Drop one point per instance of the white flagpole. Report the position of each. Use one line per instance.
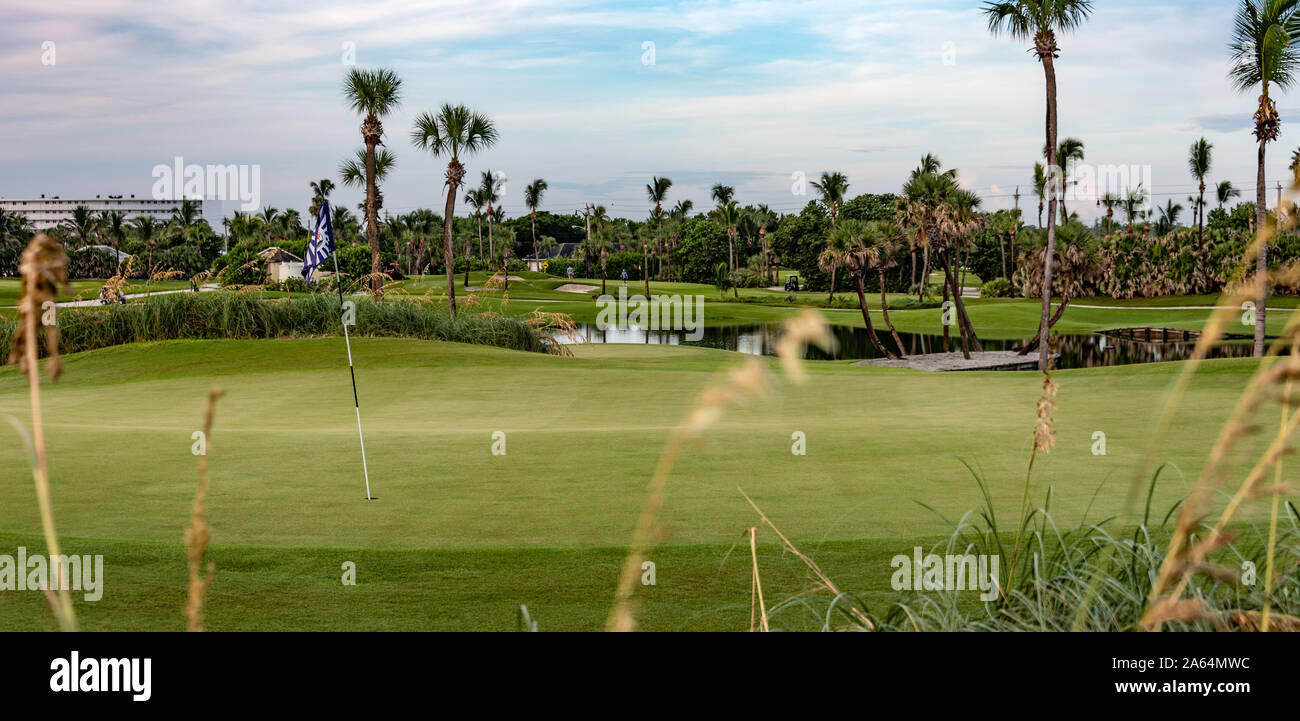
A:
(338, 280)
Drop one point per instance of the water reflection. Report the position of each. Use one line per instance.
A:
(1077, 351)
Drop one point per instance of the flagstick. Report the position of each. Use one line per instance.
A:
(338, 282)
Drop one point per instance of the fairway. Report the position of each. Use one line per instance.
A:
(544, 522)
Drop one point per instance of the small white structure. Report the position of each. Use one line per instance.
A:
(281, 264)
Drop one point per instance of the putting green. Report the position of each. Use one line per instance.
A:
(582, 436)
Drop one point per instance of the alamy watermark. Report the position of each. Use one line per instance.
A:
(948, 572)
(659, 312)
(60, 573)
(209, 182)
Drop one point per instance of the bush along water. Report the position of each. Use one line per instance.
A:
(245, 316)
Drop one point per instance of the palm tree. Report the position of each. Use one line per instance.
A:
(320, 192)
(943, 218)
(533, 199)
(244, 227)
(495, 219)
(476, 199)
(1225, 192)
(600, 220)
(185, 220)
(1040, 20)
(1264, 54)
(1131, 202)
(832, 187)
(723, 194)
(452, 131)
(268, 216)
(1199, 159)
(1040, 188)
(144, 230)
(1110, 201)
(729, 216)
(1168, 217)
(114, 224)
(489, 192)
(1069, 151)
(846, 248)
(884, 242)
(352, 173)
(372, 94)
(657, 192)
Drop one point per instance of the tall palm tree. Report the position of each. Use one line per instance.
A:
(144, 230)
(490, 194)
(1131, 204)
(884, 242)
(657, 192)
(1225, 193)
(114, 224)
(1264, 54)
(600, 221)
(1110, 201)
(722, 194)
(532, 199)
(352, 173)
(1040, 21)
(320, 192)
(372, 94)
(943, 217)
(1168, 217)
(832, 187)
(1069, 151)
(729, 216)
(1199, 159)
(185, 221)
(452, 131)
(1040, 188)
(495, 219)
(476, 199)
(845, 248)
(268, 216)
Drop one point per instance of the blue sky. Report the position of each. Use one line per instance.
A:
(745, 93)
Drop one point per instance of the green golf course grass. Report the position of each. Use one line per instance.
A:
(459, 538)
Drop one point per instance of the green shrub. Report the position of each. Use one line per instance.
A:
(240, 316)
(998, 288)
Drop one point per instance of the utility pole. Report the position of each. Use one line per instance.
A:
(1015, 225)
(1277, 214)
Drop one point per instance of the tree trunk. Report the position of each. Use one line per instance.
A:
(866, 318)
(1049, 71)
(884, 312)
(372, 221)
(447, 249)
(831, 298)
(468, 247)
(1033, 342)
(1002, 248)
(963, 319)
(942, 319)
(925, 272)
(1261, 260)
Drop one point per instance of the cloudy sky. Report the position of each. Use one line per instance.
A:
(747, 93)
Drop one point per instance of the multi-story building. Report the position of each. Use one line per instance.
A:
(45, 213)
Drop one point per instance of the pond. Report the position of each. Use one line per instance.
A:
(1077, 351)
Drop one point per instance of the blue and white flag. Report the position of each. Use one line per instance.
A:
(321, 244)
